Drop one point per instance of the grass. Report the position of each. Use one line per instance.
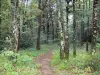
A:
(24, 64)
(83, 64)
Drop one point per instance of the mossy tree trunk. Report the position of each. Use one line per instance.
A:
(64, 48)
(16, 28)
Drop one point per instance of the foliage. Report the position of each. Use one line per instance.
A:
(98, 45)
(27, 16)
(26, 13)
(93, 62)
(5, 22)
(24, 64)
(26, 40)
(83, 63)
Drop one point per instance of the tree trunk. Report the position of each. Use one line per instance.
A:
(39, 28)
(74, 30)
(16, 29)
(64, 49)
(87, 33)
(88, 24)
(60, 27)
(95, 2)
(38, 34)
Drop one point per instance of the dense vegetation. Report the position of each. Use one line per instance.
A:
(29, 29)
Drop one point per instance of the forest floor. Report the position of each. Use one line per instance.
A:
(81, 65)
(44, 61)
(47, 62)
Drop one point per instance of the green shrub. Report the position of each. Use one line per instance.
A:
(92, 61)
(84, 63)
(26, 40)
(22, 65)
(98, 45)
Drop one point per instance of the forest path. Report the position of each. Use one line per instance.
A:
(44, 60)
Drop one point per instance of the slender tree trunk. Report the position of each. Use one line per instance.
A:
(59, 17)
(88, 24)
(52, 30)
(38, 33)
(87, 33)
(95, 2)
(16, 29)
(82, 27)
(74, 30)
(66, 29)
(39, 28)
(51, 19)
(47, 31)
(64, 49)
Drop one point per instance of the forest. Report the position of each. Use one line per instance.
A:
(49, 37)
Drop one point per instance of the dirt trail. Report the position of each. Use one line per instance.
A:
(44, 61)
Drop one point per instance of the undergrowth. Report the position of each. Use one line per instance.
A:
(21, 63)
(83, 64)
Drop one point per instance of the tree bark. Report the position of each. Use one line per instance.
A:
(93, 46)
(87, 33)
(64, 48)
(38, 34)
(74, 30)
(16, 29)
(39, 28)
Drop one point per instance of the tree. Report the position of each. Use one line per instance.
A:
(88, 24)
(15, 23)
(64, 49)
(39, 27)
(94, 32)
(74, 30)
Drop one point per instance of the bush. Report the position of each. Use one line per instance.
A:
(83, 63)
(22, 65)
(26, 40)
(92, 61)
(98, 45)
